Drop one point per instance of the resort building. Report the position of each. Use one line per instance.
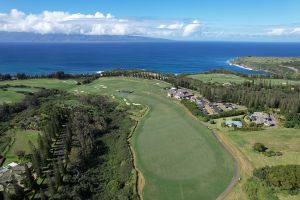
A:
(261, 118)
(180, 94)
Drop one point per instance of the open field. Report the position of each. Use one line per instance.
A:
(21, 139)
(178, 157)
(231, 78)
(278, 139)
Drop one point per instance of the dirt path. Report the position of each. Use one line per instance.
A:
(243, 168)
(235, 177)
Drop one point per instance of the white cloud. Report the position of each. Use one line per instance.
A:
(93, 24)
(107, 24)
(277, 31)
(191, 28)
(296, 30)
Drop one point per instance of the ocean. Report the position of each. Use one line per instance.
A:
(174, 57)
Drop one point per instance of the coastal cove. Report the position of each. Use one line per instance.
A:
(171, 57)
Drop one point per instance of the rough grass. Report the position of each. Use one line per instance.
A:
(278, 139)
(21, 139)
(178, 157)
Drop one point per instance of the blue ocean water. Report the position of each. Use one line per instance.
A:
(175, 57)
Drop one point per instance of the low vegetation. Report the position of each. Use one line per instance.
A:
(281, 177)
(280, 66)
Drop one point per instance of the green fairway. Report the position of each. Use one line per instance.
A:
(47, 83)
(219, 78)
(10, 97)
(21, 139)
(178, 157)
(22, 89)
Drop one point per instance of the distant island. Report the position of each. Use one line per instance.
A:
(281, 66)
(69, 38)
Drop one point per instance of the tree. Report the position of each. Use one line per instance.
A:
(259, 147)
(51, 187)
(42, 195)
(19, 191)
(36, 160)
(29, 179)
(57, 175)
(20, 154)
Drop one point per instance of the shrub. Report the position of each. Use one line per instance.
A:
(259, 147)
(212, 122)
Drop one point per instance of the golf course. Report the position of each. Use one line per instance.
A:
(178, 157)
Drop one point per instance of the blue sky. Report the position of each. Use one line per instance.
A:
(259, 20)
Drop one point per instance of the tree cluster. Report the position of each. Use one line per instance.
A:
(280, 177)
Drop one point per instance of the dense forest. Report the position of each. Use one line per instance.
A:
(82, 148)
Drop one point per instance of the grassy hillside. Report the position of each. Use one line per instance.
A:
(278, 65)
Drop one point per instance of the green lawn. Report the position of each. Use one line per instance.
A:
(10, 97)
(22, 89)
(47, 83)
(11, 94)
(219, 78)
(20, 143)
